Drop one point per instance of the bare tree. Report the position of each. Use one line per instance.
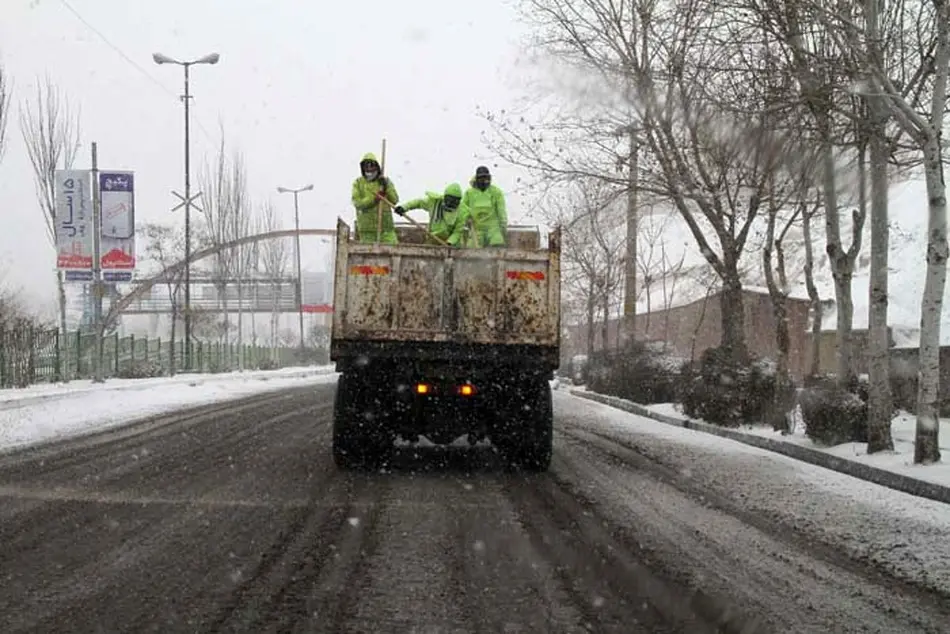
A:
(592, 252)
(925, 129)
(6, 95)
(21, 332)
(651, 228)
(165, 247)
(225, 211)
(241, 224)
(274, 260)
(815, 305)
(710, 165)
(51, 131)
(879, 393)
(901, 53)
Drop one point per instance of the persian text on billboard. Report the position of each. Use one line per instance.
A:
(72, 198)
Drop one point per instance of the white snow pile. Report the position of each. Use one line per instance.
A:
(906, 535)
(44, 413)
(900, 461)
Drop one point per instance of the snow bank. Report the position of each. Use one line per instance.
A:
(62, 411)
(906, 535)
(900, 461)
(54, 390)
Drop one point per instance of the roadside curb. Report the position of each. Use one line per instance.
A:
(905, 484)
(183, 380)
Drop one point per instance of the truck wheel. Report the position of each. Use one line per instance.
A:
(357, 438)
(527, 443)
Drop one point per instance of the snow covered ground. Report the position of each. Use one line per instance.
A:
(900, 461)
(906, 535)
(52, 412)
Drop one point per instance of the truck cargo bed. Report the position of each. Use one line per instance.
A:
(438, 301)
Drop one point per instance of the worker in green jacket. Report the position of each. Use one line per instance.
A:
(485, 206)
(368, 191)
(445, 210)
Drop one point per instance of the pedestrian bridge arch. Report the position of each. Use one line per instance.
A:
(146, 285)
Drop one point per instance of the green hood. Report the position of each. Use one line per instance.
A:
(369, 156)
(453, 189)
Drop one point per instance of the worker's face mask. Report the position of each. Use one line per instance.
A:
(370, 171)
(482, 182)
(451, 202)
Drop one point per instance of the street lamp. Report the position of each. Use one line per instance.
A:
(295, 192)
(211, 58)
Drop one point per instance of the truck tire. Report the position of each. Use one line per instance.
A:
(357, 438)
(527, 441)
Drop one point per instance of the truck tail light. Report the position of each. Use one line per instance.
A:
(423, 388)
(466, 390)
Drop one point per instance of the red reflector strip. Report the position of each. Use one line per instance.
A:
(365, 269)
(535, 276)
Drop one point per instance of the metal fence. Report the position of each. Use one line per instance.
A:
(31, 355)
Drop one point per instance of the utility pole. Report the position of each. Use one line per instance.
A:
(630, 261)
(295, 192)
(97, 288)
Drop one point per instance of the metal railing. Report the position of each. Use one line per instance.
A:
(30, 355)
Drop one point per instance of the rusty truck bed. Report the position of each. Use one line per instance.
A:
(427, 295)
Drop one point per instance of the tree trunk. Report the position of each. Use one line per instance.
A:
(732, 317)
(255, 300)
(878, 354)
(590, 322)
(240, 322)
(815, 299)
(226, 316)
(841, 266)
(646, 325)
(926, 445)
(605, 325)
(274, 317)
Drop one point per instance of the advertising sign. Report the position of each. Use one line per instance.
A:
(117, 245)
(72, 200)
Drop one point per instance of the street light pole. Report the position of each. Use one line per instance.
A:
(207, 59)
(295, 192)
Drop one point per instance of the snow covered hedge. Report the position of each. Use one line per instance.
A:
(724, 392)
(642, 372)
(833, 415)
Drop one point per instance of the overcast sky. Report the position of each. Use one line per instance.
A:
(303, 88)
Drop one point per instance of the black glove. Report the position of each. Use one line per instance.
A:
(399, 210)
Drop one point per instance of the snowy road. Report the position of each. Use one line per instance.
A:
(232, 517)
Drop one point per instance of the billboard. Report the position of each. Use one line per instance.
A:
(72, 202)
(117, 234)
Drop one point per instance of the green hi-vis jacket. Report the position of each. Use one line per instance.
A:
(364, 200)
(488, 214)
(443, 223)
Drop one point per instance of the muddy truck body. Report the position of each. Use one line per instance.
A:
(451, 344)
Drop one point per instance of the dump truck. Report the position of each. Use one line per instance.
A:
(445, 343)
